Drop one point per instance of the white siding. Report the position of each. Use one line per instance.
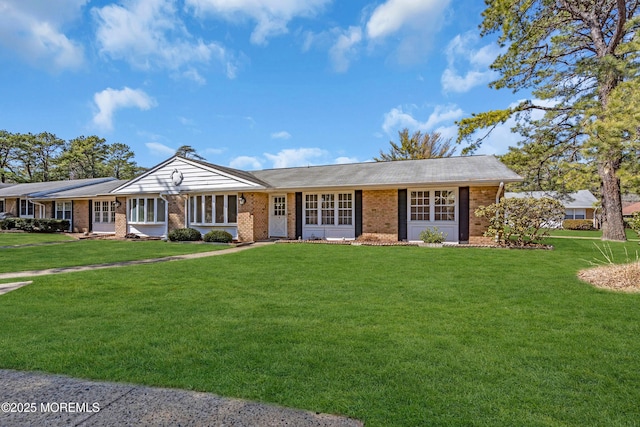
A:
(195, 178)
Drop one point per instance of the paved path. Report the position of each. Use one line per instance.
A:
(56, 400)
(61, 270)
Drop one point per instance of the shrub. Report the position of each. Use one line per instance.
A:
(577, 224)
(521, 221)
(432, 235)
(218, 236)
(634, 222)
(185, 235)
(38, 225)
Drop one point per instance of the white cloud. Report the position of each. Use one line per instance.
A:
(345, 160)
(461, 53)
(149, 34)
(110, 100)
(214, 151)
(246, 163)
(161, 150)
(271, 16)
(412, 22)
(281, 135)
(397, 119)
(33, 30)
(345, 48)
(295, 157)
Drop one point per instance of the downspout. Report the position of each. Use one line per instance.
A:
(186, 211)
(166, 215)
(40, 212)
(500, 188)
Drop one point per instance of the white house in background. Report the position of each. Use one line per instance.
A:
(579, 205)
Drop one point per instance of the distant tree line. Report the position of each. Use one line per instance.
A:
(27, 157)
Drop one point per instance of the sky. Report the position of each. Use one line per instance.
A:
(250, 84)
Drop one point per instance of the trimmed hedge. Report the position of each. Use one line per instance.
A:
(185, 235)
(218, 236)
(577, 224)
(35, 225)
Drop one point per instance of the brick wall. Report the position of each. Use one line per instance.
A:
(176, 211)
(80, 216)
(121, 218)
(291, 216)
(480, 196)
(380, 213)
(11, 205)
(253, 218)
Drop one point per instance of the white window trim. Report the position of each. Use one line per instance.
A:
(62, 202)
(111, 211)
(146, 205)
(336, 209)
(201, 197)
(432, 206)
(27, 204)
(3, 205)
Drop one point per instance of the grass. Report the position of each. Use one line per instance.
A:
(13, 239)
(593, 234)
(87, 252)
(398, 336)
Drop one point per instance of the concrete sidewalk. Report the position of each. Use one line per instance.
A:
(36, 399)
(61, 270)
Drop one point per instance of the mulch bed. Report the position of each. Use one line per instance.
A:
(615, 277)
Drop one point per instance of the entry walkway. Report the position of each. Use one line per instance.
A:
(61, 270)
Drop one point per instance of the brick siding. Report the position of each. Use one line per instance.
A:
(380, 213)
(80, 216)
(253, 218)
(480, 196)
(121, 218)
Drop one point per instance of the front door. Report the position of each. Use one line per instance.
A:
(278, 216)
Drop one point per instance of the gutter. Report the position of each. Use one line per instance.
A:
(500, 188)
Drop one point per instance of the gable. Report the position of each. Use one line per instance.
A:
(179, 175)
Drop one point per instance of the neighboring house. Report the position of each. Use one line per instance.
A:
(631, 209)
(75, 200)
(385, 200)
(578, 205)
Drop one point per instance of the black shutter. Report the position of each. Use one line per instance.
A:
(402, 214)
(358, 213)
(463, 215)
(298, 215)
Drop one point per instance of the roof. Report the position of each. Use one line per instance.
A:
(581, 199)
(631, 209)
(450, 170)
(42, 189)
(5, 185)
(101, 189)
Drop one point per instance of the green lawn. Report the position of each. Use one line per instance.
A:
(594, 234)
(12, 239)
(86, 252)
(399, 336)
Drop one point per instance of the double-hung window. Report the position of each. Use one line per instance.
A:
(26, 208)
(63, 210)
(1, 205)
(432, 205)
(328, 209)
(146, 210)
(214, 209)
(104, 211)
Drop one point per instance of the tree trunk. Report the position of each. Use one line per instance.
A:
(612, 222)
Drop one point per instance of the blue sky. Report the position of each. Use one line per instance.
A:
(250, 84)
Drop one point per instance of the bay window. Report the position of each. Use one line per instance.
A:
(147, 210)
(213, 209)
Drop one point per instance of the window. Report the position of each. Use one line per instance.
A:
(420, 206)
(63, 210)
(104, 211)
(1, 205)
(311, 209)
(444, 205)
(279, 206)
(146, 210)
(432, 205)
(322, 209)
(345, 209)
(575, 213)
(26, 208)
(214, 209)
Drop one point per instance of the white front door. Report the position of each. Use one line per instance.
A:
(278, 216)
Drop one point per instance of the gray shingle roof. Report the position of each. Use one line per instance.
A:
(42, 189)
(467, 170)
(580, 199)
(100, 189)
